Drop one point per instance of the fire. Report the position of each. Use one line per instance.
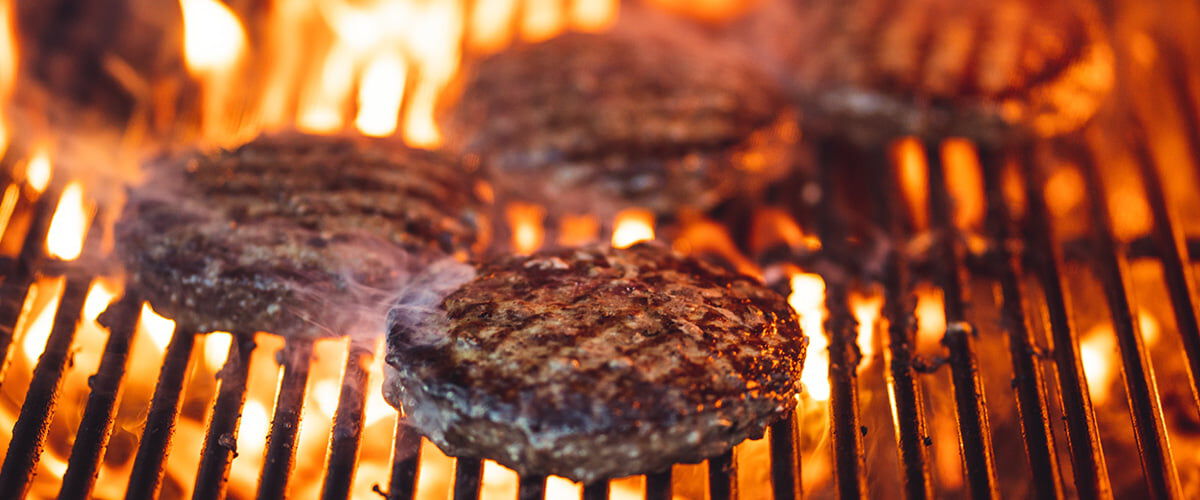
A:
(153, 326)
(561, 487)
(216, 349)
(8, 203)
(1098, 353)
(380, 95)
(808, 300)
(543, 19)
(68, 227)
(38, 330)
(632, 226)
(964, 178)
(593, 15)
(708, 10)
(37, 169)
(931, 317)
(526, 222)
(866, 309)
(914, 179)
(1063, 190)
(8, 66)
(213, 38)
(99, 296)
(578, 230)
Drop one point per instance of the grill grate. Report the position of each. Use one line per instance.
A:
(1039, 259)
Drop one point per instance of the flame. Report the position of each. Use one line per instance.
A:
(253, 428)
(632, 226)
(931, 317)
(561, 487)
(703, 236)
(38, 331)
(543, 19)
(8, 66)
(964, 178)
(1063, 190)
(8, 203)
(576, 230)
(213, 38)
(68, 226)
(498, 481)
(808, 300)
(708, 10)
(491, 24)
(914, 179)
(37, 169)
(99, 296)
(155, 327)
(526, 223)
(380, 95)
(593, 15)
(216, 349)
(867, 309)
(1096, 352)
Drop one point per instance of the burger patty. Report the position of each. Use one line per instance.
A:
(588, 123)
(292, 234)
(984, 69)
(594, 363)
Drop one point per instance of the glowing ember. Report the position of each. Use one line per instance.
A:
(99, 296)
(914, 179)
(866, 311)
(155, 327)
(68, 227)
(216, 349)
(380, 94)
(37, 170)
(526, 223)
(808, 300)
(213, 38)
(632, 226)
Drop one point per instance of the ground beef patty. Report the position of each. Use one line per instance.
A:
(595, 363)
(985, 69)
(587, 123)
(292, 234)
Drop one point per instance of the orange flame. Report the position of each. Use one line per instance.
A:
(213, 38)
(38, 330)
(8, 66)
(216, 349)
(37, 169)
(964, 178)
(808, 300)
(68, 226)
(526, 223)
(380, 95)
(576, 230)
(914, 179)
(632, 226)
(867, 309)
(154, 327)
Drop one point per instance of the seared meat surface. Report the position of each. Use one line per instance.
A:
(985, 69)
(587, 123)
(594, 363)
(292, 234)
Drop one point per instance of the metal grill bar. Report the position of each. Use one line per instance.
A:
(285, 425)
(29, 432)
(1029, 380)
(971, 409)
(531, 488)
(908, 417)
(348, 423)
(147, 472)
(1171, 251)
(722, 477)
(785, 460)
(406, 456)
(96, 425)
(841, 328)
(658, 485)
(596, 491)
(1111, 266)
(468, 478)
(220, 442)
(21, 274)
(1091, 473)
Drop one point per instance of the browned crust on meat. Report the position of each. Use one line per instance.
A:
(985, 69)
(292, 234)
(587, 123)
(594, 363)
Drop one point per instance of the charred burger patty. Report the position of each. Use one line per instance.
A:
(292, 234)
(587, 123)
(596, 363)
